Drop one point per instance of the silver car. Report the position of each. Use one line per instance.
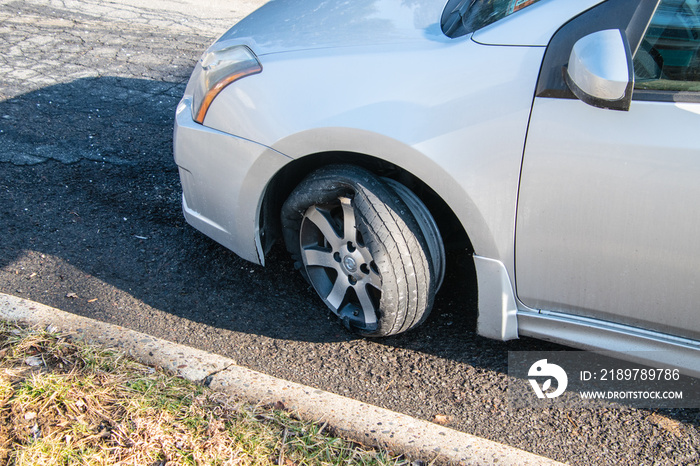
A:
(556, 140)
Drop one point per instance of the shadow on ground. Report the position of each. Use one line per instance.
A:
(89, 180)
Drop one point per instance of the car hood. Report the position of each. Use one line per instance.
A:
(286, 25)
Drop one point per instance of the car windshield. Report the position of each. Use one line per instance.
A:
(464, 16)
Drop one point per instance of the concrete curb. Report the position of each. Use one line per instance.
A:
(352, 419)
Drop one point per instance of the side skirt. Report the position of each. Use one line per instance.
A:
(630, 343)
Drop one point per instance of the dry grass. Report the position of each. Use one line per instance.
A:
(66, 403)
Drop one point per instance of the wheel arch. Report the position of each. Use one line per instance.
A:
(463, 227)
(288, 177)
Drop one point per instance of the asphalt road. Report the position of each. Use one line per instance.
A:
(90, 222)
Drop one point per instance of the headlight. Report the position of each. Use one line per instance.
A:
(220, 67)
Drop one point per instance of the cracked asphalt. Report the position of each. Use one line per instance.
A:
(90, 222)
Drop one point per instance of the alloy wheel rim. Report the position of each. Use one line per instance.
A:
(339, 264)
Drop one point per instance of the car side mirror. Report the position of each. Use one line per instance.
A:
(600, 70)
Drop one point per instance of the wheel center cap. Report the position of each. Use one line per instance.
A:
(349, 264)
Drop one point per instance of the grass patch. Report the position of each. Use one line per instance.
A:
(66, 403)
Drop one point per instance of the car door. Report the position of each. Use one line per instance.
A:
(608, 219)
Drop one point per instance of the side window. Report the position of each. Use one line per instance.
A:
(668, 59)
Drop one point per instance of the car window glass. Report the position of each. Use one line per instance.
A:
(464, 16)
(668, 58)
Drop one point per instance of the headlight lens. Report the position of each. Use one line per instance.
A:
(221, 66)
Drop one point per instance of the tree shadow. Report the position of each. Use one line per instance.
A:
(89, 178)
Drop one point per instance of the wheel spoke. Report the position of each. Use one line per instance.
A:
(323, 222)
(374, 280)
(367, 305)
(320, 258)
(349, 227)
(337, 294)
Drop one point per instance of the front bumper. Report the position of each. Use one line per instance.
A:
(223, 178)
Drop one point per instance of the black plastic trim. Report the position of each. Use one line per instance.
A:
(648, 95)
